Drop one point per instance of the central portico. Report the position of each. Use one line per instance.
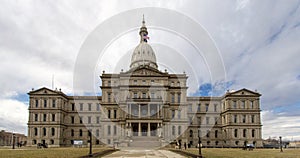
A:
(144, 99)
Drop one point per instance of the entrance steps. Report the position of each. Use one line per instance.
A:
(145, 142)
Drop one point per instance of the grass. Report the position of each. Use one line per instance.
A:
(48, 153)
(239, 153)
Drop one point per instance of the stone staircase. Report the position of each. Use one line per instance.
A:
(145, 142)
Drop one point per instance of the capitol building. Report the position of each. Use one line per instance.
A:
(144, 107)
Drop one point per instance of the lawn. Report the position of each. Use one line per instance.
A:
(239, 153)
(47, 153)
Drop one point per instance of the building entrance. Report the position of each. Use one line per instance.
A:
(135, 129)
(144, 129)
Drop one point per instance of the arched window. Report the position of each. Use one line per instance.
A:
(53, 131)
(235, 132)
(80, 132)
(244, 132)
(33, 141)
(179, 130)
(51, 141)
(35, 131)
(44, 131)
(191, 133)
(253, 133)
(173, 130)
(72, 132)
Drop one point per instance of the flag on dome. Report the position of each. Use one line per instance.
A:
(145, 37)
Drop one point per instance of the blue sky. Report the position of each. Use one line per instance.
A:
(257, 40)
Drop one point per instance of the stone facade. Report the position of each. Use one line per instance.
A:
(6, 138)
(144, 103)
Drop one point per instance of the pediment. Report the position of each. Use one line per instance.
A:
(145, 71)
(44, 91)
(244, 92)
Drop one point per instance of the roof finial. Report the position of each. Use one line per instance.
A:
(143, 20)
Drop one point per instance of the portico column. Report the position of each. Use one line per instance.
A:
(149, 130)
(139, 110)
(157, 111)
(140, 131)
(149, 110)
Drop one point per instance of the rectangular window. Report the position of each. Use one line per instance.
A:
(144, 82)
(53, 103)
(252, 118)
(108, 113)
(135, 95)
(108, 97)
(53, 131)
(98, 107)
(190, 108)
(235, 118)
(179, 114)
(89, 119)
(178, 97)
(90, 106)
(81, 106)
(115, 130)
(190, 120)
(173, 114)
(135, 82)
(206, 107)
(80, 120)
(152, 82)
(36, 103)
(53, 117)
(144, 95)
(199, 108)
(115, 113)
(173, 130)
(152, 95)
(199, 120)
(73, 107)
(251, 104)
(109, 83)
(215, 107)
(243, 104)
(172, 98)
(216, 120)
(36, 117)
(234, 104)
(108, 130)
(72, 119)
(179, 130)
(207, 120)
(244, 118)
(98, 119)
(45, 103)
(45, 117)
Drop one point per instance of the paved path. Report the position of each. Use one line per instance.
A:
(144, 154)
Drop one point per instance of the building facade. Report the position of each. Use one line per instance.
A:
(144, 104)
(8, 138)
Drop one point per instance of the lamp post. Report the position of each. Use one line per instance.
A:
(13, 141)
(199, 143)
(280, 143)
(90, 153)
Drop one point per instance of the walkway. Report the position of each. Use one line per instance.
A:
(144, 154)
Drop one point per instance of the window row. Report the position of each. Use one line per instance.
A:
(242, 104)
(45, 103)
(244, 133)
(208, 135)
(198, 121)
(89, 107)
(44, 117)
(243, 118)
(89, 120)
(44, 131)
(204, 107)
(178, 130)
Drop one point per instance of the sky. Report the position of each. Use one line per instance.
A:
(258, 42)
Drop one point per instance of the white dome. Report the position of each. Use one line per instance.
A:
(143, 54)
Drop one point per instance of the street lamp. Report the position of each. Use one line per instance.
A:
(280, 143)
(13, 141)
(199, 143)
(90, 153)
